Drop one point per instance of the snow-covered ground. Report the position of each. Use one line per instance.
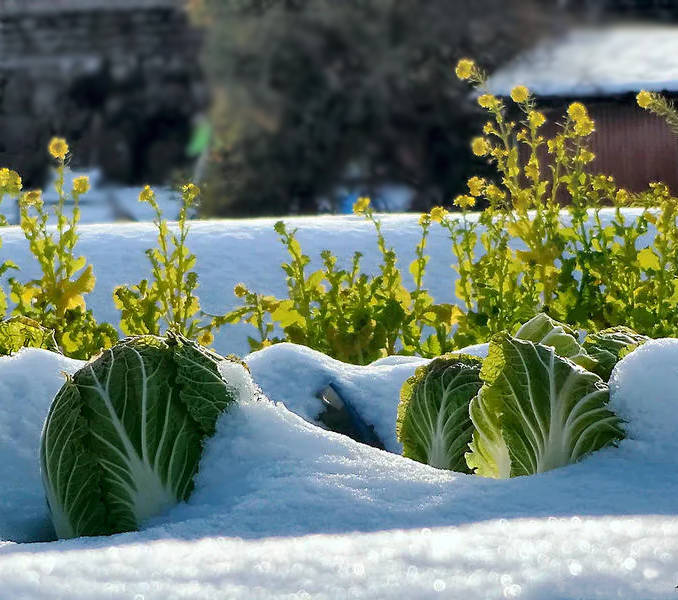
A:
(285, 509)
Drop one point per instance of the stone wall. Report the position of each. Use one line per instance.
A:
(120, 79)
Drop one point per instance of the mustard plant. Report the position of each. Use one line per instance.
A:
(10, 186)
(168, 300)
(56, 300)
(345, 313)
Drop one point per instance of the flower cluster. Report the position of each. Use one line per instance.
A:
(361, 206)
(583, 124)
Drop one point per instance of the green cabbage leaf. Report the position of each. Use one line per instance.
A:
(542, 329)
(433, 423)
(609, 346)
(536, 411)
(124, 435)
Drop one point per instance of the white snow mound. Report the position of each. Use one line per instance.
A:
(644, 392)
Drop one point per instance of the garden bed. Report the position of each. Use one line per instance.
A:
(285, 509)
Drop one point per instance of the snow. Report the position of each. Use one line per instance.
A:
(592, 61)
(643, 391)
(285, 509)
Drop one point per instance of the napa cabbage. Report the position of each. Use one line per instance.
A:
(536, 411)
(609, 346)
(545, 330)
(124, 435)
(433, 423)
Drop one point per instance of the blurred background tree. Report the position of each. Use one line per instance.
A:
(312, 97)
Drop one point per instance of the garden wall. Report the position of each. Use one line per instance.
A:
(118, 79)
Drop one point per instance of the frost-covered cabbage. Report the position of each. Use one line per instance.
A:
(433, 424)
(536, 411)
(123, 437)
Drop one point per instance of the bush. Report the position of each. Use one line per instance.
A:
(312, 95)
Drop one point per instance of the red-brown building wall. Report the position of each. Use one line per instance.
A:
(632, 145)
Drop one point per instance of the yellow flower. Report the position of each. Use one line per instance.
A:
(147, 194)
(464, 201)
(10, 182)
(240, 290)
(81, 185)
(205, 338)
(58, 148)
(622, 197)
(465, 68)
(644, 99)
(577, 111)
(476, 185)
(438, 213)
(488, 128)
(190, 191)
(520, 94)
(493, 193)
(362, 205)
(488, 101)
(424, 219)
(32, 198)
(584, 127)
(479, 146)
(536, 118)
(587, 156)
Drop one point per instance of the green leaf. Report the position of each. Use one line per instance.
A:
(433, 417)
(542, 329)
(536, 411)
(286, 315)
(648, 260)
(608, 346)
(22, 332)
(124, 435)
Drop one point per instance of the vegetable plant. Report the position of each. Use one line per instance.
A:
(345, 313)
(433, 424)
(56, 300)
(529, 407)
(168, 300)
(124, 435)
(536, 411)
(22, 332)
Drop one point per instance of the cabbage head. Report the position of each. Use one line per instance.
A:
(433, 424)
(536, 411)
(124, 435)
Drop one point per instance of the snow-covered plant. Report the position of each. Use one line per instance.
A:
(124, 435)
(536, 411)
(168, 300)
(433, 424)
(56, 299)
